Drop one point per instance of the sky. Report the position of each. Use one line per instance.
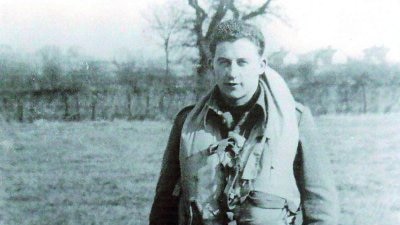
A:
(107, 28)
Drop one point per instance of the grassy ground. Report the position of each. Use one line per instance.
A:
(105, 172)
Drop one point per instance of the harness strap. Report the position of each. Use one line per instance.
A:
(251, 166)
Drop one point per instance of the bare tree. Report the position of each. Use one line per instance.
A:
(172, 20)
(168, 22)
(205, 22)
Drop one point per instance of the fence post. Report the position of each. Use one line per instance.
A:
(129, 105)
(6, 109)
(147, 111)
(64, 98)
(20, 109)
(93, 105)
(77, 107)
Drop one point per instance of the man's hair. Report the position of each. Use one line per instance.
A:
(232, 30)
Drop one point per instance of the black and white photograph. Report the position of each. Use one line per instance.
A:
(199, 112)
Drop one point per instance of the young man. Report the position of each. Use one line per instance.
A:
(246, 153)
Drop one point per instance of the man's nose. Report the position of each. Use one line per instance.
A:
(233, 71)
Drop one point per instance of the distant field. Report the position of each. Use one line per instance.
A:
(105, 172)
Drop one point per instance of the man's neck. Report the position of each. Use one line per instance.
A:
(227, 104)
(238, 102)
(236, 112)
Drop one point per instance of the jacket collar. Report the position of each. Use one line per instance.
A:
(261, 105)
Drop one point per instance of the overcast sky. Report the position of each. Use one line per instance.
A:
(103, 28)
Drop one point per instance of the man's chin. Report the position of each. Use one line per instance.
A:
(232, 96)
(233, 99)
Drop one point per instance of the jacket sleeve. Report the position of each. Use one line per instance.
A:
(314, 176)
(164, 210)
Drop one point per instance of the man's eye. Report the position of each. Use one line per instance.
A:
(242, 62)
(224, 62)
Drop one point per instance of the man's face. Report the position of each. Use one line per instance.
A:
(237, 67)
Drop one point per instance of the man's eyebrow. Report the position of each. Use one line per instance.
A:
(223, 59)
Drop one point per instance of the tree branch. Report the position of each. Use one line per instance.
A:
(218, 16)
(234, 10)
(177, 23)
(201, 15)
(261, 10)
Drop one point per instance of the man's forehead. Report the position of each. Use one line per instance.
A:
(242, 48)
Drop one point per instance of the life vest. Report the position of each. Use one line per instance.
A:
(266, 168)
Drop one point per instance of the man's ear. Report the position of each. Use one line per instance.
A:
(263, 65)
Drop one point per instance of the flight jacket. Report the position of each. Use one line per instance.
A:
(311, 169)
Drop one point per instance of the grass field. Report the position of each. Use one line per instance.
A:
(105, 172)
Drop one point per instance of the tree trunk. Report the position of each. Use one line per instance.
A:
(203, 69)
(166, 49)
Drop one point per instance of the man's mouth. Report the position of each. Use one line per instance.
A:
(230, 84)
